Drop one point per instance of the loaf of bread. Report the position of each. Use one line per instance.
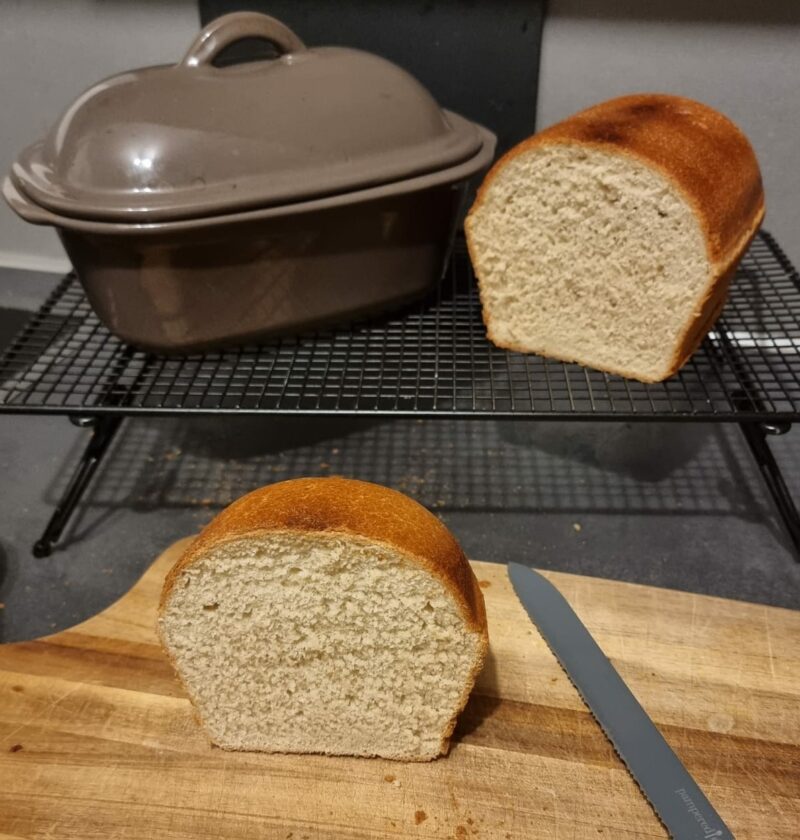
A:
(326, 616)
(610, 238)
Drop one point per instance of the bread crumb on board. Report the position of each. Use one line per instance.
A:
(420, 817)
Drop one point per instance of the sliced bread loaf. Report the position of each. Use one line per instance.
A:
(326, 616)
(610, 239)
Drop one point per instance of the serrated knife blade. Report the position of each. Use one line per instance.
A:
(666, 783)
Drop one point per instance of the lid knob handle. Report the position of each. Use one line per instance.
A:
(228, 29)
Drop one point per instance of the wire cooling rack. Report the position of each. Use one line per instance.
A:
(432, 358)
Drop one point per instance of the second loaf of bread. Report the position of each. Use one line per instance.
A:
(610, 238)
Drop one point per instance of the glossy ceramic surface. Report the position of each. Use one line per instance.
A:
(193, 139)
(206, 206)
(38, 215)
(178, 291)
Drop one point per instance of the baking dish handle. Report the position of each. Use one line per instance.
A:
(25, 209)
(228, 29)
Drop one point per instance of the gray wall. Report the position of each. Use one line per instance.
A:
(52, 50)
(740, 56)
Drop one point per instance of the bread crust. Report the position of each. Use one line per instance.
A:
(361, 510)
(700, 152)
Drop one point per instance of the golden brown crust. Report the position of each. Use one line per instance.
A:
(698, 150)
(694, 146)
(343, 505)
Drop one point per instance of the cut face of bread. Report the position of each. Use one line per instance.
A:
(320, 642)
(588, 255)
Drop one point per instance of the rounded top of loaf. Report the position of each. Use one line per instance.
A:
(696, 147)
(346, 506)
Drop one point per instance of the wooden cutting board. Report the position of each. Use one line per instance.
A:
(98, 741)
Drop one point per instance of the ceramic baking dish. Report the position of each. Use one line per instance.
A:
(204, 205)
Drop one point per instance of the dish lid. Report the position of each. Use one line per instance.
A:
(194, 139)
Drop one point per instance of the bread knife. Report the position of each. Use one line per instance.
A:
(672, 792)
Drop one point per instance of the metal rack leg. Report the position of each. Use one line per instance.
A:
(103, 430)
(755, 434)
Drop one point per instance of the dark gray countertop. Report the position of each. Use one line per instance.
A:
(680, 505)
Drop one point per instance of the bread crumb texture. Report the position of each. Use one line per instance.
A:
(320, 642)
(588, 255)
(601, 241)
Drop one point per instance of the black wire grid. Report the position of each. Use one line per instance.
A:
(432, 358)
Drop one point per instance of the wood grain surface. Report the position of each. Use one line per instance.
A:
(98, 741)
